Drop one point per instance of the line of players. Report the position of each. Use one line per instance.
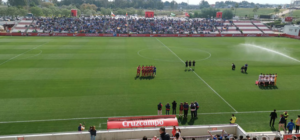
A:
(189, 64)
(146, 71)
(267, 79)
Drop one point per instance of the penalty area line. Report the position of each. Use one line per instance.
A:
(21, 54)
(90, 118)
(200, 78)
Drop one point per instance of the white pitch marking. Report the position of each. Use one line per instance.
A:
(21, 54)
(200, 78)
(34, 55)
(90, 118)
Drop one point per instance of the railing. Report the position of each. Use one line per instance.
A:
(197, 131)
(257, 27)
(29, 26)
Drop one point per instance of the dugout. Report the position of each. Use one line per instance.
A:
(292, 30)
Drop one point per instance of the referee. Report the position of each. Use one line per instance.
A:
(190, 64)
(186, 64)
(194, 62)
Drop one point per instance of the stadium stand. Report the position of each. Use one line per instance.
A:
(123, 26)
(105, 25)
(247, 27)
(262, 27)
(228, 28)
(22, 26)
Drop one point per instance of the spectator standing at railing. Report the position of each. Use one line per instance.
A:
(79, 127)
(168, 109)
(180, 109)
(159, 109)
(174, 105)
(193, 110)
(297, 124)
(197, 107)
(186, 109)
(163, 134)
(93, 132)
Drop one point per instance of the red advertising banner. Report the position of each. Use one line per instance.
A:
(123, 35)
(149, 14)
(219, 15)
(166, 35)
(62, 34)
(74, 12)
(139, 35)
(145, 35)
(290, 136)
(141, 122)
(289, 19)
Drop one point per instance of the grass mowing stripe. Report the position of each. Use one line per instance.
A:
(89, 118)
(199, 77)
(21, 54)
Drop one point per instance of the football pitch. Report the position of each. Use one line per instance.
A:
(51, 84)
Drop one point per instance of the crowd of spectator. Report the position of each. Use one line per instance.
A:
(128, 25)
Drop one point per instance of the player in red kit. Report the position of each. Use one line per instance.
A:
(147, 71)
(151, 70)
(138, 71)
(143, 70)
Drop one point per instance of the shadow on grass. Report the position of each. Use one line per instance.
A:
(273, 128)
(184, 121)
(144, 78)
(188, 70)
(244, 72)
(192, 121)
(136, 77)
(268, 87)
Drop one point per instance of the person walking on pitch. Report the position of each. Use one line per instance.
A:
(273, 116)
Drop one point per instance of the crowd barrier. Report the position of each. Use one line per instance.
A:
(137, 35)
(126, 134)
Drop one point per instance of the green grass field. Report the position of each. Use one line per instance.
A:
(46, 78)
(296, 14)
(241, 12)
